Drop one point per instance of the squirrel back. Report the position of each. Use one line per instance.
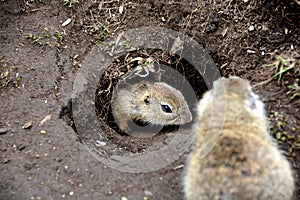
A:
(234, 156)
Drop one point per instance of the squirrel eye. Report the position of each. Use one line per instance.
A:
(166, 108)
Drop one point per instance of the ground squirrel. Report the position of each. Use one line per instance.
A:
(243, 161)
(155, 103)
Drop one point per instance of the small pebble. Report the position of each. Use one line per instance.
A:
(75, 56)
(121, 8)
(47, 118)
(101, 143)
(3, 130)
(6, 160)
(251, 28)
(67, 22)
(27, 125)
(43, 132)
(250, 51)
(148, 193)
(124, 198)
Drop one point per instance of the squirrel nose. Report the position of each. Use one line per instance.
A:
(187, 117)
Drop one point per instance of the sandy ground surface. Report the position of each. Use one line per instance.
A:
(40, 60)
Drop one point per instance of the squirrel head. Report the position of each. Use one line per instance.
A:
(234, 98)
(162, 104)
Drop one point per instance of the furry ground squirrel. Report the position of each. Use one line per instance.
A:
(155, 103)
(243, 162)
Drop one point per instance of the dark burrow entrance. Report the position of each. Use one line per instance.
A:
(124, 70)
(173, 70)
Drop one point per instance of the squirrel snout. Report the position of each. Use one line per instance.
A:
(186, 117)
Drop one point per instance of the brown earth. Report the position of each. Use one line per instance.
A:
(40, 59)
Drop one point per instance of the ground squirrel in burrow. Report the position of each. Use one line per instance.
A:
(243, 162)
(155, 103)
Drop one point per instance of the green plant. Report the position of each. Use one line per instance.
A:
(104, 31)
(46, 33)
(34, 38)
(69, 2)
(66, 2)
(9, 74)
(17, 80)
(58, 35)
(284, 132)
(48, 37)
(281, 66)
(294, 90)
